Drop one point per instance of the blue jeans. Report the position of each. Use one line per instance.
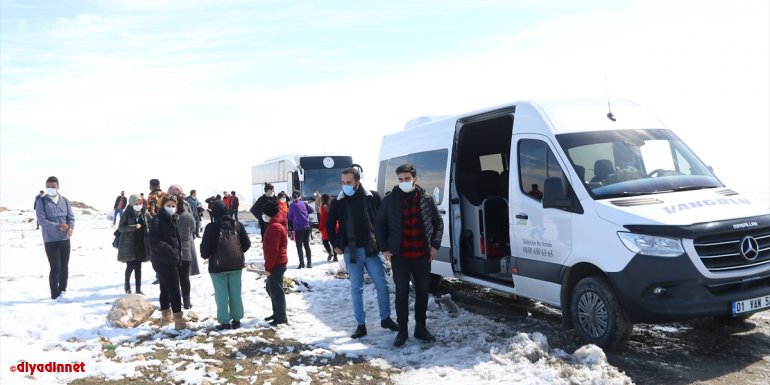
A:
(375, 266)
(115, 215)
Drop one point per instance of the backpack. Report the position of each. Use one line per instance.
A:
(229, 255)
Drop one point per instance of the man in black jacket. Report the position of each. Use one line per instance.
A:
(354, 210)
(409, 230)
(256, 209)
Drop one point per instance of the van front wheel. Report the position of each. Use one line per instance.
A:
(597, 315)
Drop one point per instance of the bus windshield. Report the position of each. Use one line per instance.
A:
(635, 162)
(322, 173)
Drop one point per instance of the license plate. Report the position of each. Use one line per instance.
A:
(749, 305)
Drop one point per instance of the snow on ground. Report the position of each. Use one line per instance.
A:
(469, 348)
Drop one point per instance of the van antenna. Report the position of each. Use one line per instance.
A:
(609, 107)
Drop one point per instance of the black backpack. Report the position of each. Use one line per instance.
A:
(229, 255)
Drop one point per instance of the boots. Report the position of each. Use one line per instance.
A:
(309, 264)
(165, 317)
(422, 333)
(179, 321)
(186, 301)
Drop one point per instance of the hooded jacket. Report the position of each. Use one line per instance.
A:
(388, 223)
(132, 241)
(51, 214)
(299, 215)
(274, 244)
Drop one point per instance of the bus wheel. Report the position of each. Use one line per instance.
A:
(597, 315)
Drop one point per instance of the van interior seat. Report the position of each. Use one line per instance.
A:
(466, 184)
(602, 168)
(504, 183)
(488, 184)
(497, 241)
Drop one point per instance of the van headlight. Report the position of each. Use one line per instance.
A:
(651, 245)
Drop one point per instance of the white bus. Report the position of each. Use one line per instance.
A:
(305, 173)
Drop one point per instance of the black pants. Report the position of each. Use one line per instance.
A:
(170, 296)
(136, 267)
(262, 228)
(58, 253)
(302, 239)
(328, 247)
(183, 271)
(419, 270)
(274, 287)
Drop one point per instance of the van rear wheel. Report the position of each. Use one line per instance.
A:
(597, 315)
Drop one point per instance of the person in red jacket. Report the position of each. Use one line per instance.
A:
(326, 200)
(274, 250)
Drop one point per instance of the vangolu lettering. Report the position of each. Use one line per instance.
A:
(703, 203)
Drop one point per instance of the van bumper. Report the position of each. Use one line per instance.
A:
(688, 294)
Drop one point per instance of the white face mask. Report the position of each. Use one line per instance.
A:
(137, 207)
(50, 191)
(170, 210)
(283, 200)
(406, 187)
(266, 218)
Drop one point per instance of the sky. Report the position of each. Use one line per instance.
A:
(108, 94)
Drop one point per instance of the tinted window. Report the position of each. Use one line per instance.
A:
(431, 172)
(537, 163)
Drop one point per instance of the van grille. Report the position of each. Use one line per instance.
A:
(722, 252)
(636, 202)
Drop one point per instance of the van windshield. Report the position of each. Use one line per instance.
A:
(635, 162)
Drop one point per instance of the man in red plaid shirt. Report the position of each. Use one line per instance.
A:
(408, 230)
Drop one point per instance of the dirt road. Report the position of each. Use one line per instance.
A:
(702, 351)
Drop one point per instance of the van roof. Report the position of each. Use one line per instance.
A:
(567, 115)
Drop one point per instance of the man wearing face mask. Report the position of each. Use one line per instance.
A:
(55, 216)
(256, 209)
(355, 210)
(409, 230)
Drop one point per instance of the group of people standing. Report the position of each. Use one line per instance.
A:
(404, 228)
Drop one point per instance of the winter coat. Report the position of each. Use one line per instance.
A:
(322, 222)
(299, 215)
(227, 201)
(132, 246)
(211, 237)
(120, 200)
(275, 242)
(256, 208)
(186, 228)
(388, 221)
(195, 207)
(165, 245)
(234, 203)
(51, 214)
(336, 223)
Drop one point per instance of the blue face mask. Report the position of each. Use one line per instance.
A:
(348, 190)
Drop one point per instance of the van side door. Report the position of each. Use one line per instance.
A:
(542, 237)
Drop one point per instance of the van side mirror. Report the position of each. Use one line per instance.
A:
(554, 196)
(300, 174)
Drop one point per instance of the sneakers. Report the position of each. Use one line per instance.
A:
(401, 338)
(360, 332)
(276, 323)
(235, 324)
(388, 323)
(62, 298)
(422, 333)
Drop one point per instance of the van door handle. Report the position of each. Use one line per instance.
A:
(522, 216)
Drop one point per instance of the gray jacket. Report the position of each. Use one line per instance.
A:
(186, 227)
(50, 215)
